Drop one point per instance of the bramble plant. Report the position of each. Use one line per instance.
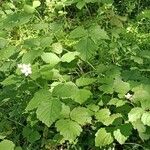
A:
(74, 75)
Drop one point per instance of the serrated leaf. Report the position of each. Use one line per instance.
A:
(49, 111)
(138, 124)
(78, 32)
(81, 95)
(30, 56)
(116, 102)
(70, 56)
(50, 58)
(84, 81)
(65, 112)
(108, 121)
(146, 118)
(3, 42)
(64, 90)
(86, 47)
(80, 115)
(119, 136)
(40, 96)
(144, 136)
(7, 145)
(5, 53)
(103, 138)
(57, 48)
(28, 9)
(121, 87)
(69, 129)
(80, 4)
(30, 134)
(135, 114)
(97, 33)
(36, 3)
(102, 114)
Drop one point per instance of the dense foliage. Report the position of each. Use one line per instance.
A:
(74, 74)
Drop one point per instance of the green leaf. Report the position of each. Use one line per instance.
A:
(7, 145)
(119, 136)
(49, 111)
(30, 56)
(144, 136)
(97, 33)
(135, 114)
(103, 138)
(16, 19)
(111, 119)
(29, 9)
(31, 134)
(57, 48)
(102, 114)
(85, 81)
(36, 3)
(65, 112)
(3, 42)
(68, 129)
(116, 102)
(86, 47)
(65, 90)
(140, 93)
(81, 95)
(138, 124)
(40, 96)
(7, 52)
(80, 115)
(78, 32)
(121, 87)
(80, 4)
(146, 118)
(50, 58)
(70, 56)
(12, 79)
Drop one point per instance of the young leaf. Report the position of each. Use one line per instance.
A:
(7, 145)
(138, 124)
(36, 3)
(146, 118)
(121, 87)
(103, 138)
(135, 114)
(49, 111)
(119, 136)
(102, 114)
(57, 48)
(68, 129)
(116, 102)
(80, 115)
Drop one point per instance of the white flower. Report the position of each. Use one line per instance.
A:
(128, 96)
(25, 69)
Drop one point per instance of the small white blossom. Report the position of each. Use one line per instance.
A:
(128, 96)
(25, 69)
